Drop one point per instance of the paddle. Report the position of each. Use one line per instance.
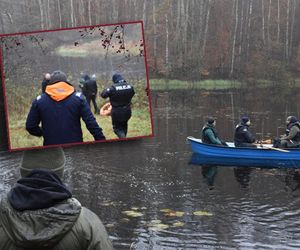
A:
(270, 147)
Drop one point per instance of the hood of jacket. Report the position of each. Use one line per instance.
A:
(42, 228)
(59, 91)
(38, 211)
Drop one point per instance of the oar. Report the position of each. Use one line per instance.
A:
(270, 147)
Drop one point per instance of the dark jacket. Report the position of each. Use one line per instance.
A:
(120, 94)
(59, 223)
(242, 135)
(45, 82)
(89, 86)
(210, 135)
(59, 110)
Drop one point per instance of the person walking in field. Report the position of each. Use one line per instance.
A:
(120, 95)
(59, 111)
(39, 212)
(90, 89)
(45, 82)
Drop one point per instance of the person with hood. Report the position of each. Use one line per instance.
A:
(242, 136)
(59, 111)
(39, 211)
(45, 82)
(209, 132)
(291, 139)
(89, 90)
(120, 95)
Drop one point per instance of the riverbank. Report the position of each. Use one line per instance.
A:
(213, 84)
(139, 125)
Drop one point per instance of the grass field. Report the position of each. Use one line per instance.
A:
(138, 125)
(19, 100)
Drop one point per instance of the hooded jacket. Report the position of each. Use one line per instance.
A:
(59, 110)
(292, 132)
(89, 86)
(60, 222)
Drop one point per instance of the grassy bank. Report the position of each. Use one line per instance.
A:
(166, 84)
(138, 125)
(19, 99)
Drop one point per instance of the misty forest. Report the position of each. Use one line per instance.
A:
(187, 40)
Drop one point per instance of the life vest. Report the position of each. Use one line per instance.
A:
(106, 109)
(205, 139)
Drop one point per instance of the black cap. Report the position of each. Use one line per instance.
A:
(210, 120)
(116, 78)
(292, 119)
(245, 119)
(58, 76)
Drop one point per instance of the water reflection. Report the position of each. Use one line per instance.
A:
(242, 175)
(209, 173)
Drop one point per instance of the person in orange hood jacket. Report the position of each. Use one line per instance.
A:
(59, 111)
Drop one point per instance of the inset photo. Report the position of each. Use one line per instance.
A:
(77, 85)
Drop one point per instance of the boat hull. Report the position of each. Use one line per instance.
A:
(232, 156)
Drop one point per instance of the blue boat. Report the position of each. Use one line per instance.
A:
(265, 156)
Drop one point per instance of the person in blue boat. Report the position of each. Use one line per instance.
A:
(209, 133)
(242, 136)
(291, 139)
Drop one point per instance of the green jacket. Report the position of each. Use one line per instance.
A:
(67, 225)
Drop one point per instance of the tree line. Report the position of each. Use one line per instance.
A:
(185, 39)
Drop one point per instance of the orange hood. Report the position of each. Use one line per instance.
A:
(59, 91)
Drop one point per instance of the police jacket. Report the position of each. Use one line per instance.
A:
(59, 111)
(243, 135)
(292, 132)
(209, 135)
(62, 225)
(120, 94)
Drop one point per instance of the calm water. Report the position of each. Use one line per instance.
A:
(238, 208)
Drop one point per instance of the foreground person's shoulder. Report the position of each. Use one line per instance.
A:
(94, 230)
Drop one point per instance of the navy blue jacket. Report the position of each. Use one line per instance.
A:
(89, 86)
(120, 94)
(59, 111)
(242, 135)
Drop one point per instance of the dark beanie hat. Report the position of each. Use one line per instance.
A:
(292, 119)
(49, 158)
(210, 120)
(245, 119)
(116, 78)
(58, 76)
(86, 77)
